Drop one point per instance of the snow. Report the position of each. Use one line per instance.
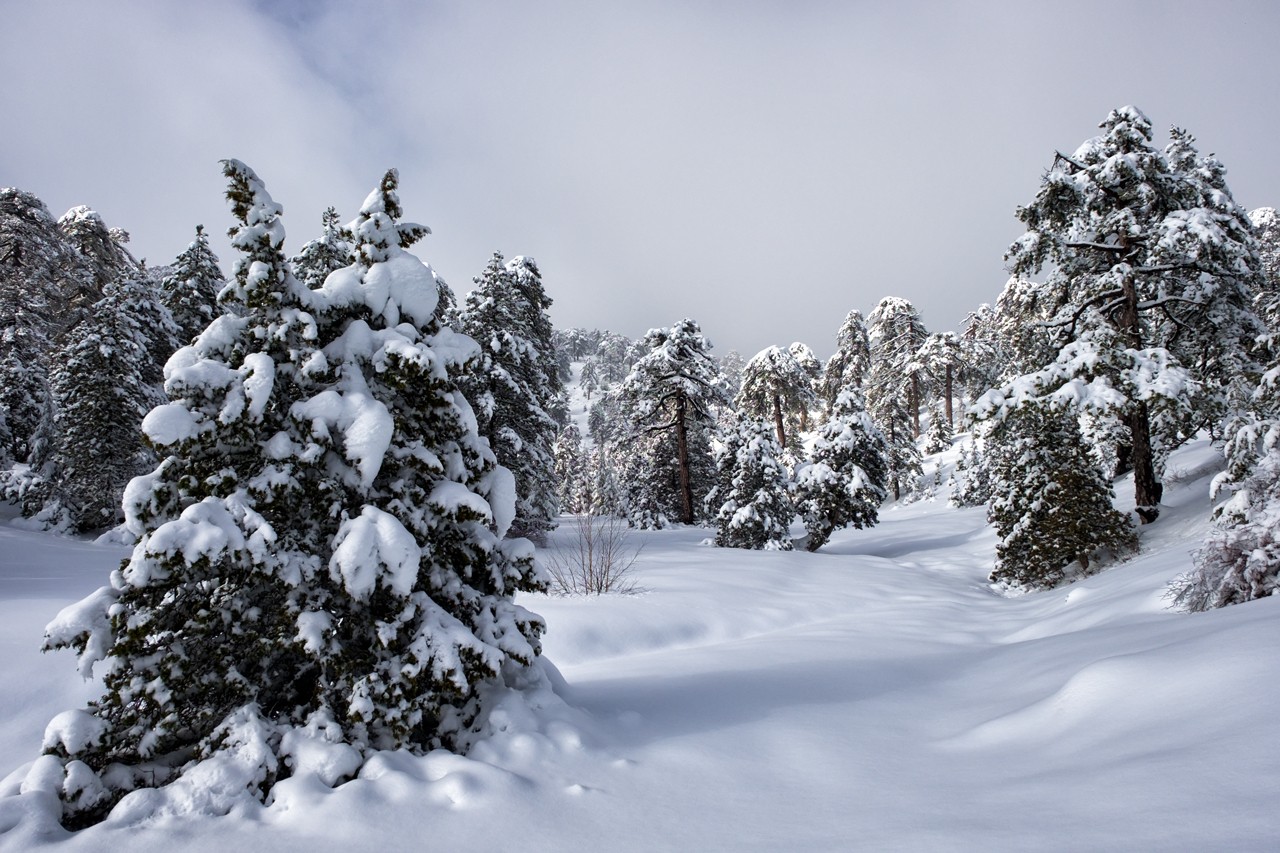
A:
(876, 695)
(375, 547)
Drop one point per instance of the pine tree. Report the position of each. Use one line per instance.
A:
(104, 380)
(517, 385)
(320, 549)
(776, 386)
(332, 250)
(570, 469)
(1266, 227)
(1050, 505)
(844, 484)
(971, 480)
(940, 436)
(669, 400)
(893, 392)
(190, 289)
(755, 506)
(1152, 265)
(848, 367)
(940, 360)
(44, 282)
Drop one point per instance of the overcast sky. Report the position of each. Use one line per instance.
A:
(761, 167)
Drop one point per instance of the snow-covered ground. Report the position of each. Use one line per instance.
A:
(878, 695)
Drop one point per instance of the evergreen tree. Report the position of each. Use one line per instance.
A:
(518, 385)
(1050, 505)
(100, 395)
(755, 507)
(44, 281)
(669, 400)
(332, 250)
(893, 391)
(971, 480)
(731, 367)
(940, 436)
(940, 360)
(844, 485)
(848, 367)
(776, 386)
(1266, 227)
(190, 289)
(570, 470)
(1152, 263)
(319, 550)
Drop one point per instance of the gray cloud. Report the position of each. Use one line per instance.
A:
(761, 167)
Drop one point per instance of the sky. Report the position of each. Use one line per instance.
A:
(760, 167)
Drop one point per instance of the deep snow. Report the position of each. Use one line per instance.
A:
(877, 695)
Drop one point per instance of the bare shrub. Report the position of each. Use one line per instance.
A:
(594, 559)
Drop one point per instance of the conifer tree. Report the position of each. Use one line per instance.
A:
(848, 367)
(893, 392)
(517, 386)
(332, 250)
(1152, 265)
(191, 287)
(669, 400)
(776, 386)
(321, 548)
(754, 494)
(939, 437)
(1050, 505)
(940, 360)
(570, 470)
(844, 484)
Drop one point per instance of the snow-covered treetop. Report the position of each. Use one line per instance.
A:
(378, 229)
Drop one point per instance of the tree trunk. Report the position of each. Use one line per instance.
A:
(1147, 490)
(682, 461)
(777, 422)
(951, 421)
(913, 400)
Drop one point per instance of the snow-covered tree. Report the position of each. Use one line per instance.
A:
(939, 436)
(893, 391)
(320, 560)
(518, 384)
(1050, 504)
(940, 360)
(848, 367)
(754, 490)
(331, 251)
(190, 288)
(776, 386)
(570, 470)
(669, 400)
(731, 367)
(844, 484)
(971, 480)
(1266, 227)
(100, 393)
(44, 285)
(1151, 263)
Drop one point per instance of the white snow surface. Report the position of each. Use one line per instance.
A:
(876, 695)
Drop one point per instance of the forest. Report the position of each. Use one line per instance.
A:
(335, 475)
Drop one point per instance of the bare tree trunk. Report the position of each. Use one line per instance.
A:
(1147, 490)
(777, 422)
(951, 421)
(913, 400)
(682, 460)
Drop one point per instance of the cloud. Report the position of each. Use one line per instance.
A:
(761, 167)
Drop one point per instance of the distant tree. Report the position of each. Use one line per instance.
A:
(731, 367)
(190, 289)
(518, 384)
(848, 367)
(755, 507)
(939, 437)
(893, 391)
(570, 470)
(776, 386)
(940, 360)
(671, 393)
(332, 250)
(844, 484)
(1266, 226)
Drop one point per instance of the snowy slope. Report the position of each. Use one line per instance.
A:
(876, 695)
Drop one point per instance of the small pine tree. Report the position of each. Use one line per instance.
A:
(331, 251)
(190, 290)
(844, 485)
(755, 508)
(940, 436)
(570, 470)
(971, 480)
(1050, 504)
